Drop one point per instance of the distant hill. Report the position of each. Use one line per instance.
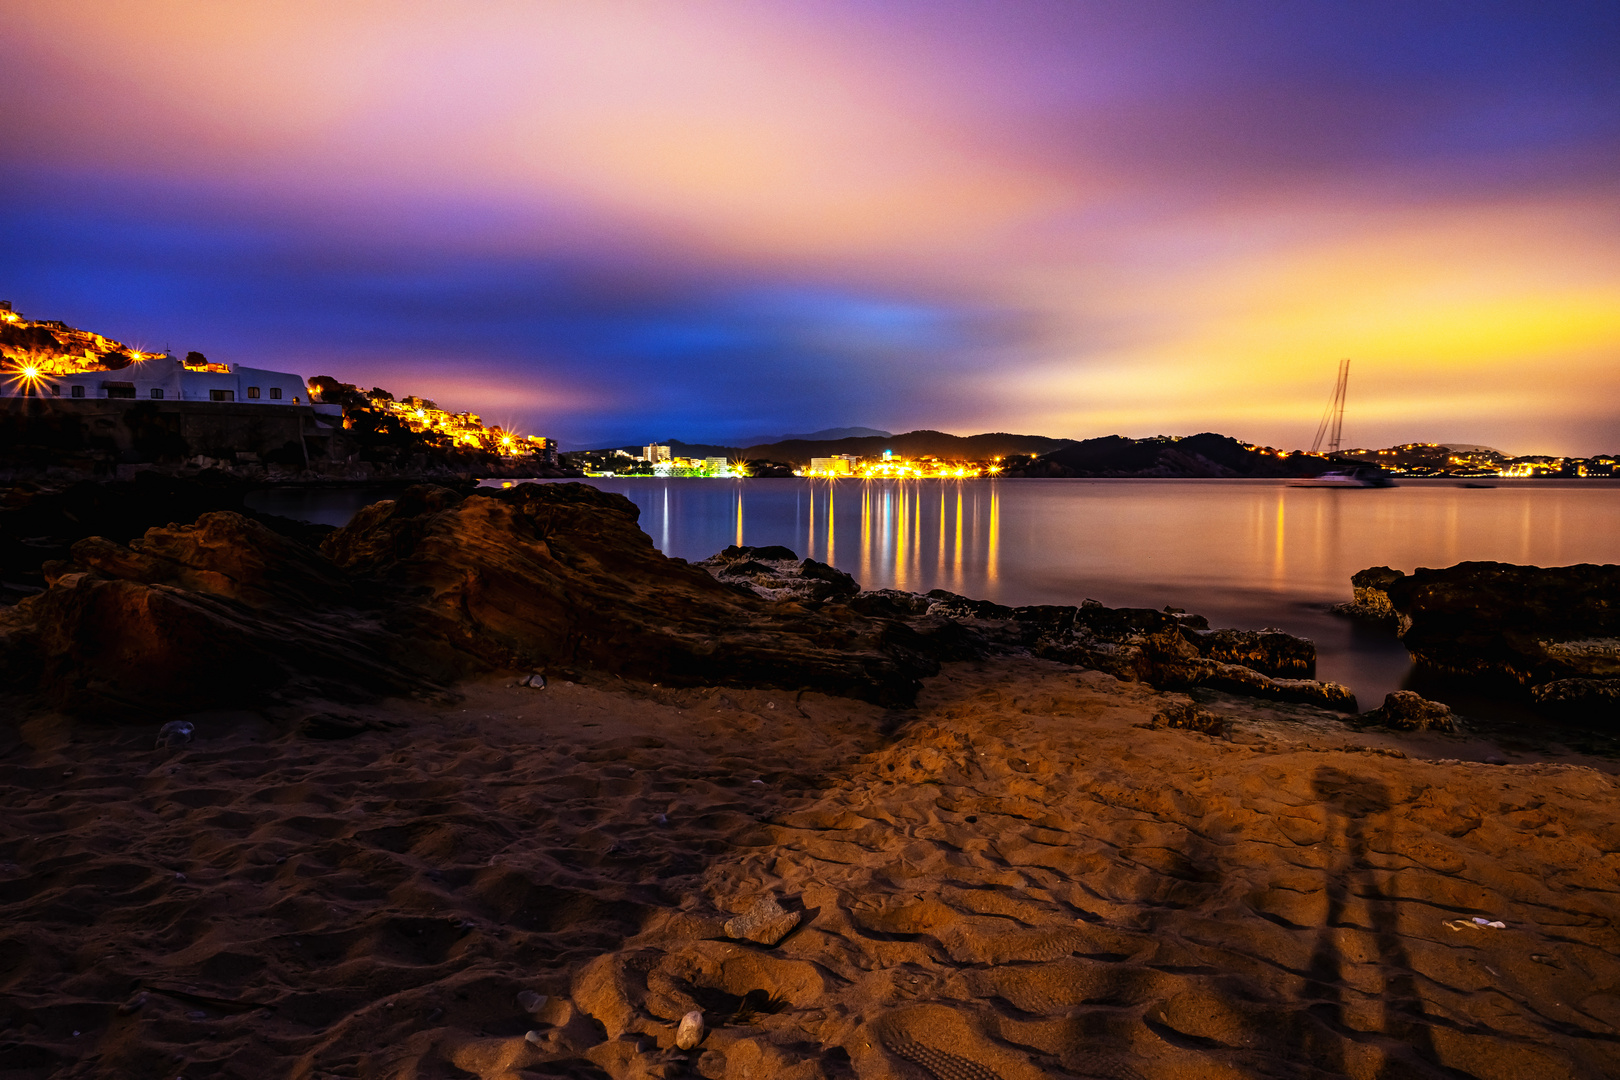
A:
(912, 444)
(1204, 455)
(824, 435)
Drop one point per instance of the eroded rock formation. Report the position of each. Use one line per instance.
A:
(1554, 630)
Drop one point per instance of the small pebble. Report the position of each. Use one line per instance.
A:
(178, 876)
(660, 819)
(530, 1001)
(690, 1033)
(535, 1037)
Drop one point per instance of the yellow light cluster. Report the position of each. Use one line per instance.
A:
(463, 429)
(900, 469)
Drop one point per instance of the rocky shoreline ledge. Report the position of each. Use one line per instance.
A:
(862, 834)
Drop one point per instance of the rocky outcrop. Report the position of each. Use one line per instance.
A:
(418, 591)
(776, 573)
(1371, 591)
(1591, 700)
(560, 575)
(220, 611)
(1525, 625)
(1169, 648)
(1410, 711)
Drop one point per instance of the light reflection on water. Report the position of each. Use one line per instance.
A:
(1245, 553)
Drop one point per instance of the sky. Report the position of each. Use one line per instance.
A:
(713, 220)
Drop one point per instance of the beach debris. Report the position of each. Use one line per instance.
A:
(660, 819)
(1476, 923)
(766, 922)
(535, 1036)
(536, 681)
(175, 733)
(690, 1032)
(134, 1004)
(531, 1002)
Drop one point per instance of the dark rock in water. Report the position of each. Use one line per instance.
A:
(776, 573)
(1410, 711)
(1527, 625)
(1591, 700)
(1371, 589)
(1270, 652)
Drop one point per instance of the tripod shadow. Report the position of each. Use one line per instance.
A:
(1358, 809)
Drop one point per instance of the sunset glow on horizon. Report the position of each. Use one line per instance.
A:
(718, 220)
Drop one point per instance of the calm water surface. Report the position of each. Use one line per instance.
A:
(1245, 553)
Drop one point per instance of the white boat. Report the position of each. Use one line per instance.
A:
(1356, 476)
(1350, 475)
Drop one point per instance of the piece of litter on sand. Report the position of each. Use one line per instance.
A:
(529, 1001)
(1476, 923)
(175, 733)
(1487, 922)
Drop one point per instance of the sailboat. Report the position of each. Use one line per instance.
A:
(1357, 475)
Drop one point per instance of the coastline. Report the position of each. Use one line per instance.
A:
(1024, 842)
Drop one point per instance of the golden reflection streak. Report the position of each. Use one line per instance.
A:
(1278, 558)
(902, 519)
(916, 531)
(739, 517)
(941, 569)
(831, 522)
(994, 554)
(810, 534)
(866, 533)
(957, 576)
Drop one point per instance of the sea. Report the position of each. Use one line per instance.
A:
(1249, 554)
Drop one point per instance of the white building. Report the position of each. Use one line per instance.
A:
(163, 378)
(655, 453)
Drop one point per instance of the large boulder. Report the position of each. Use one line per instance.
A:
(1525, 624)
(220, 611)
(1537, 627)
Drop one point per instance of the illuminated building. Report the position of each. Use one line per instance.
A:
(655, 453)
(84, 366)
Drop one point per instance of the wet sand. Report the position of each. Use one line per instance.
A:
(1021, 877)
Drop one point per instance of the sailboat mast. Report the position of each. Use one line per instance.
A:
(1332, 426)
(1340, 392)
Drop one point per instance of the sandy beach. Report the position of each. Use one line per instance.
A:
(1022, 876)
